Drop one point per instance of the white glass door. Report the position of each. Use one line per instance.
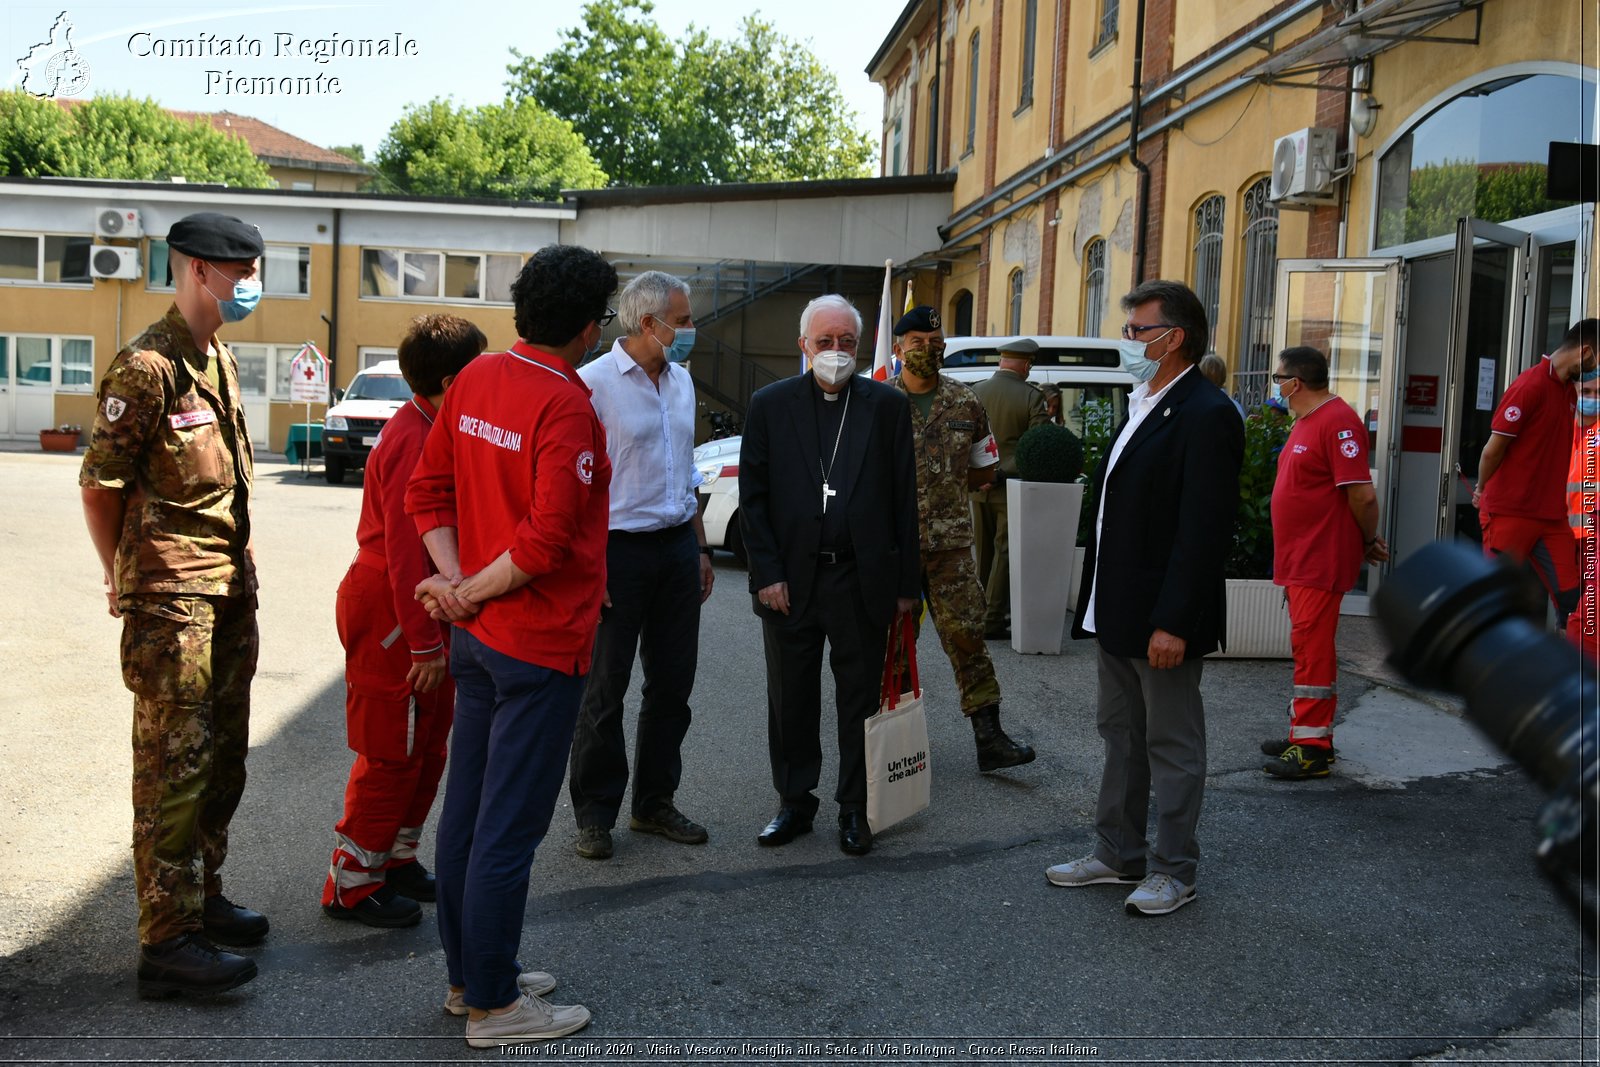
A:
(1350, 310)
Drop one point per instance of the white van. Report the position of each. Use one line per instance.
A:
(1085, 369)
(351, 427)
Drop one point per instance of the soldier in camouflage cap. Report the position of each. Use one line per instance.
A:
(166, 492)
(955, 453)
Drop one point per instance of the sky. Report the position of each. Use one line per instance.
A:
(458, 50)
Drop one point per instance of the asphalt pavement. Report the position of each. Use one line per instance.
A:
(1390, 913)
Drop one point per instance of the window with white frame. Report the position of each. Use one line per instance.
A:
(371, 357)
(1208, 261)
(1258, 290)
(44, 259)
(418, 275)
(285, 269)
(59, 363)
(264, 369)
(1094, 287)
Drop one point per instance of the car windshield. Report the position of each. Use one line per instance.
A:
(378, 387)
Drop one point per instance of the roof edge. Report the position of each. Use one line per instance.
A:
(899, 27)
(641, 195)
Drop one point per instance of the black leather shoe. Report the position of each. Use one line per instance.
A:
(855, 837)
(228, 924)
(384, 908)
(787, 825)
(190, 965)
(412, 880)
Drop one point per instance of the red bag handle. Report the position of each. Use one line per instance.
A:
(893, 684)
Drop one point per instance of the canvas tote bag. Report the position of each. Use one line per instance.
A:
(898, 775)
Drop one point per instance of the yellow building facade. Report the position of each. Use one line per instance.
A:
(1389, 121)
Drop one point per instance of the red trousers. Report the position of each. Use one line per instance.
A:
(1583, 625)
(1313, 625)
(399, 738)
(1547, 545)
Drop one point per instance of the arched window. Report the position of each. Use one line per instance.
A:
(1094, 287)
(1014, 288)
(961, 314)
(1483, 153)
(1258, 285)
(1208, 260)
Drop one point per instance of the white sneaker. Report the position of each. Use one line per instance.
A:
(536, 982)
(1087, 871)
(532, 1018)
(1158, 895)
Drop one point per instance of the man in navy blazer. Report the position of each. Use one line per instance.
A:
(828, 510)
(1165, 495)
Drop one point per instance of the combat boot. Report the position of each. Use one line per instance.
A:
(191, 965)
(995, 749)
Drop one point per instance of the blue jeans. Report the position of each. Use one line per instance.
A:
(513, 731)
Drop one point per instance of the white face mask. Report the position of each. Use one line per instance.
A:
(833, 367)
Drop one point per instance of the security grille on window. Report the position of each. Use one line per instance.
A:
(1208, 261)
(1015, 288)
(1259, 291)
(1094, 287)
(1108, 23)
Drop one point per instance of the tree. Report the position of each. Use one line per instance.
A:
(657, 112)
(120, 138)
(514, 150)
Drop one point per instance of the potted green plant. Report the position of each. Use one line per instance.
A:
(63, 438)
(1042, 504)
(1258, 622)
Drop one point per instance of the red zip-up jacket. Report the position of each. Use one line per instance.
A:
(517, 459)
(387, 532)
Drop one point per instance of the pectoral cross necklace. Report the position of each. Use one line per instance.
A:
(827, 472)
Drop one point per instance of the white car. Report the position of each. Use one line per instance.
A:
(351, 427)
(718, 462)
(1085, 369)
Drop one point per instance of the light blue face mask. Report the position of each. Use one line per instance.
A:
(246, 295)
(1135, 362)
(682, 344)
(1589, 405)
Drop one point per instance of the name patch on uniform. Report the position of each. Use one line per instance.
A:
(1346, 434)
(963, 424)
(185, 419)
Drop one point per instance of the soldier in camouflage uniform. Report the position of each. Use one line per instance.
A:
(166, 491)
(955, 453)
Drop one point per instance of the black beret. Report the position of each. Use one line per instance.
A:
(921, 318)
(220, 238)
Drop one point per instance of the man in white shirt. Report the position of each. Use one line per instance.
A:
(1152, 597)
(658, 572)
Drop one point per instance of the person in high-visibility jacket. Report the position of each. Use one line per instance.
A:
(1583, 500)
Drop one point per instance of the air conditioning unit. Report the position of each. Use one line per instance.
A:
(117, 222)
(1302, 167)
(108, 262)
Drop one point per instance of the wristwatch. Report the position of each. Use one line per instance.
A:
(707, 549)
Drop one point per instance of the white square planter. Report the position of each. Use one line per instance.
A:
(1258, 620)
(1043, 522)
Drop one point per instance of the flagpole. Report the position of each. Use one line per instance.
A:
(883, 356)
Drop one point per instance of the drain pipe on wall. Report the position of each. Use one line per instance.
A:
(1143, 181)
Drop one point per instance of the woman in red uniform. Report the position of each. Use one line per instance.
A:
(399, 696)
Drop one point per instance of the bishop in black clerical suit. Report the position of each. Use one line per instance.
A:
(828, 510)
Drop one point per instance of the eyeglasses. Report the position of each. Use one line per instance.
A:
(605, 320)
(1130, 332)
(842, 343)
(1281, 378)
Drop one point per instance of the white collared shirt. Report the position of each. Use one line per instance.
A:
(1141, 402)
(650, 439)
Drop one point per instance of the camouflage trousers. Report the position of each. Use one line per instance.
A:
(188, 660)
(955, 601)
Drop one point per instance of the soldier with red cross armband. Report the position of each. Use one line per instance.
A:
(1324, 524)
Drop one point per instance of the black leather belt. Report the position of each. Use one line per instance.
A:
(669, 531)
(835, 555)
